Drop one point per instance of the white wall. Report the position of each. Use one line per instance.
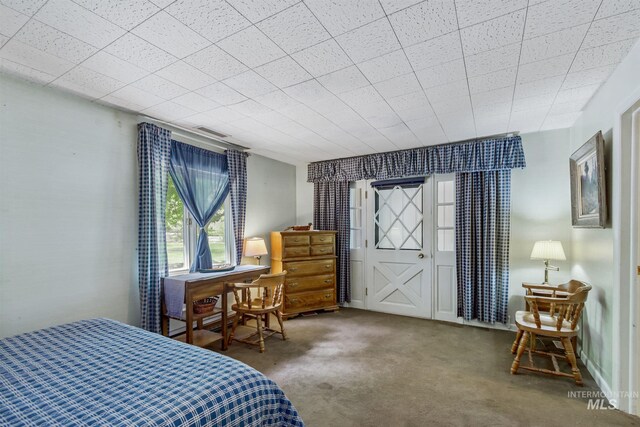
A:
(68, 209)
(304, 196)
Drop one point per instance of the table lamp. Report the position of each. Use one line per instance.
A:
(546, 250)
(255, 247)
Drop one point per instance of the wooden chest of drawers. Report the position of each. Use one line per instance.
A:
(310, 260)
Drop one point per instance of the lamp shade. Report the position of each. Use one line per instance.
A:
(548, 249)
(254, 246)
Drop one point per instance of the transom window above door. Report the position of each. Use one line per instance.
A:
(398, 217)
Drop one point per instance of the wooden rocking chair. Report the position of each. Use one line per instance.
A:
(258, 300)
(561, 321)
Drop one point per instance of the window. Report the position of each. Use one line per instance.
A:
(355, 211)
(182, 233)
(398, 217)
(446, 216)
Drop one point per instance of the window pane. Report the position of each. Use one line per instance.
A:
(215, 231)
(445, 192)
(446, 240)
(175, 228)
(445, 216)
(398, 218)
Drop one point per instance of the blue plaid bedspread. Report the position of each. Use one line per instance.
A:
(102, 372)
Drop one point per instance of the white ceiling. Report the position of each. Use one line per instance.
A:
(319, 79)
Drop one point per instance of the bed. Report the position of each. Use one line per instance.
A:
(103, 372)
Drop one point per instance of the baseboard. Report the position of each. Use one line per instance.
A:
(478, 324)
(595, 372)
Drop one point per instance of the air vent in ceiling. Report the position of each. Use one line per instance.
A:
(212, 132)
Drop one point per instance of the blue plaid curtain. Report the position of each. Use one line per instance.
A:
(331, 212)
(237, 163)
(202, 181)
(482, 244)
(154, 147)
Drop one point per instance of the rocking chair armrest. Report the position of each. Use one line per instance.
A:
(545, 300)
(537, 286)
(244, 285)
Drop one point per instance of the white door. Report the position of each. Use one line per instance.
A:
(399, 264)
(357, 209)
(445, 302)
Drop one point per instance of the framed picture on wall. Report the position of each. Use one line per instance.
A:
(588, 190)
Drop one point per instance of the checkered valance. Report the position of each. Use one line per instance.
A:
(472, 156)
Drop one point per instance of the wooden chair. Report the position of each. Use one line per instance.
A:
(561, 321)
(259, 299)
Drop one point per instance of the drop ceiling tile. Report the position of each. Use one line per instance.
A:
(160, 87)
(559, 121)
(11, 21)
(250, 84)
(410, 101)
(344, 80)
(435, 51)
(251, 47)
(119, 103)
(370, 41)
(27, 7)
(442, 74)
(451, 106)
(169, 110)
(25, 73)
(495, 110)
(539, 87)
(613, 29)
(309, 92)
(57, 43)
(537, 101)
(224, 114)
(277, 100)
(78, 22)
(587, 77)
(273, 119)
(527, 121)
(3, 40)
(550, 17)
(582, 93)
(401, 136)
(602, 55)
(257, 10)
(216, 62)
(323, 58)
(113, 67)
(185, 75)
(432, 135)
(162, 3)
(171, 35)
(496, 96)
(391, 6)
(141, 53)
(338, 17)
(459, 128)
(424, 21)
(472, 12)
(386, 67)
(88, 82)
(124, 13)
(397, 86)
(212, 19)
(455, 89)
(361, 97)
(196, 102)
(493, 60)
(379, 115)
(30, 57)
(615, 7)
(567, 107)
(493, 34)
(556, 66)
(283, 72)
(415, 114)
(294, 29)
(554, 44)
(492, 125)
(138, 96)
(250, 108)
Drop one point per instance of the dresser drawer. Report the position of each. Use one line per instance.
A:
(309, 283)
(308, 300)
(296, 251)
(295, 240)
(308, 268)
(321, 250)
(322, 239)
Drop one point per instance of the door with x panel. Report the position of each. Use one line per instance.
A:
(399, 260)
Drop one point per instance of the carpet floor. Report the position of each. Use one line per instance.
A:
(362, 368)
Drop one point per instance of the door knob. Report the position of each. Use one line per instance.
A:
(420, 255)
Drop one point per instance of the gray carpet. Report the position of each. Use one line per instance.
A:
(355, 367)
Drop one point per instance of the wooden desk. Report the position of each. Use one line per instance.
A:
(197, 286)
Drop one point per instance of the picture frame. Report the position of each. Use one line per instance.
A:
(588, 189)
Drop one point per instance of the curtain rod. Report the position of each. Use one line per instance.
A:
(193, 135)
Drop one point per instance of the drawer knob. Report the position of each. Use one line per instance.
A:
(293, 269)
(327, 266)
(327, 281)
(322, 239)
(327, 296)
(295, 301)
(293, 285)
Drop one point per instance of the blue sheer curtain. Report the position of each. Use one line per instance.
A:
(154, 148)
(201, 178)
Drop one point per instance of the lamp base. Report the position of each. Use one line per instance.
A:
(258, 258)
